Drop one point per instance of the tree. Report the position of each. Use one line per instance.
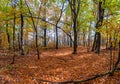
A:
(75, 7)
(22, 25)
(14, 23)
(35, 28)
(97, 38)
(8, 35)
(45, 26)
(56, 25)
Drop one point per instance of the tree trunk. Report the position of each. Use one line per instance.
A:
(0, 37)
(98, 43)
(22, 41)
(97, 38)
(94, 43)
(89, 34)
(19, 45)
(56, 27)
(115, 39)
(117, 62)
(75, 37)
(107, 40)
(45, 41)
(75, 7)
(56, 37)
(8, 35)
(110, 53)
(13, 59)
(37, 45)
(84, 42)
(45, 27)
(36, 31)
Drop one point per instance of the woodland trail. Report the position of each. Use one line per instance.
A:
(57, 65)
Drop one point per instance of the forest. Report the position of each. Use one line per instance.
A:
(59, 41)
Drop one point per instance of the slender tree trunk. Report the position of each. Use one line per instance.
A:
(94, 43)
(84, 38)
(22, 41)
(19, 45)
(37, 45)
(75, 7)
(97, 38)
(117, 62)
(68, 40)
(89, 34)
(0, 37)
(45, 41)
(71, 43)
(115, 40)
(56, 29)
(14, 23)
(22, 25)
(107, 34)
(107, 41)
(8, 35)
(45, 27)
(98, 43)
(36, 31)
(75, 36)
(110, 53)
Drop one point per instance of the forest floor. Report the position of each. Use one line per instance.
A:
(57, 65)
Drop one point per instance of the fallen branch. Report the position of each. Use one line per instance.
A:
(79, 81)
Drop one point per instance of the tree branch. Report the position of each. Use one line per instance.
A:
(79, 81)
(53, 25)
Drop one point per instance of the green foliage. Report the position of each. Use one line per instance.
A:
(86, 16)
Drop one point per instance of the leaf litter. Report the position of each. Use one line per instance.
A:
(57, 65)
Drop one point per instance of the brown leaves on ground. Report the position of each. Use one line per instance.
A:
(57, 65)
